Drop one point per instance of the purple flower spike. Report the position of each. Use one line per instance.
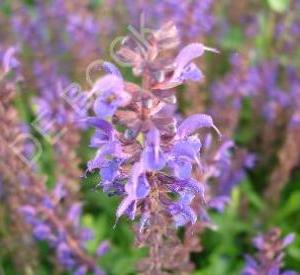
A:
(112, 95)
(151, 163)
(269, 257)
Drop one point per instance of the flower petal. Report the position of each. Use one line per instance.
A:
(152, 156)
(124, 206)
(185, 56)
(191, 72)
(288, 239)
(9, 61)
(182, 168)
(108, 83)
(103, 109)
(138, 186)
(110, 170)
(195, 122)
(100, 124)
(111, 68)
(143, 187)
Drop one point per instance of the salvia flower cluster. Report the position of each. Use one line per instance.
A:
(269, 258)
(156, 161)
(44, 211)
(60, 227)
(153, 155)
(192, 18)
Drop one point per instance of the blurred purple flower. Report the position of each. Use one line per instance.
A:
(270, 254)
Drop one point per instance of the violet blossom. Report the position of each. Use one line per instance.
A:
(269, 257)
(192, 18)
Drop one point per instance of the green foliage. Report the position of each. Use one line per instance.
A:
(233, 38)
(279, 5)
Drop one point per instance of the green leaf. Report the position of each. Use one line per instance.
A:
(252, 196)
(279, 5)
(290, 206)
(233, 39)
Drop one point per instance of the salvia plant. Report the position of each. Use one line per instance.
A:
(198, 160)
(27, 195)
(269, 258)
(270, 84)
(157, 162)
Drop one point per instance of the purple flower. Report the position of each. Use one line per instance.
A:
(127, 206)
(185, 70)
(153, 158)
(59, 191)
(181, 210)
(9, 61)
(110, 170)
(183, 154)
(41, 231)
(137, 188)
(185, 186)
(192, 18)
(65, 256)
(105, 140)
(104, 133)
(110, 68)
(183, 65)
(112, 95)
(74, 213)
(219, 203)
(82, 270)
(86, 234)
(103, 248)
(29, 213)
